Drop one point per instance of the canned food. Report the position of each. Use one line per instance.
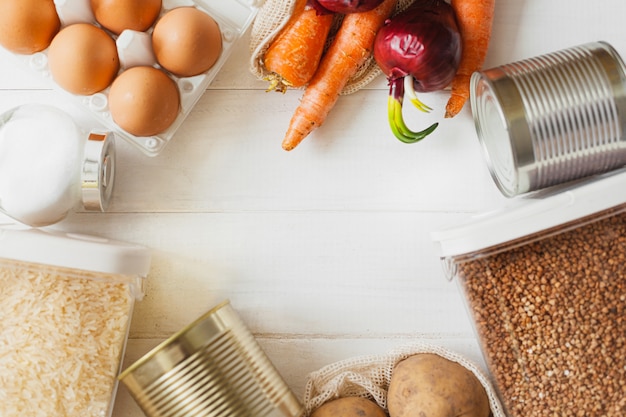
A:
(553, 118)
(212, 368)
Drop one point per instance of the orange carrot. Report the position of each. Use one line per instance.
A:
(475, 19)
(350, 49)
(294, 55)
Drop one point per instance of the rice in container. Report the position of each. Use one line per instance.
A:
(66, 302)
(211, 368)
(552, 118)
(544, 281)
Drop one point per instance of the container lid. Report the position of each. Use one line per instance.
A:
(74, 251)
(98, 171)
(532, 213)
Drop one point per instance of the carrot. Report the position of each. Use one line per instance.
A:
(475, 19)
(350, 49)
(294, 55)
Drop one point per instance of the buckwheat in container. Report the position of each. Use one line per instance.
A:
(212, 368)
(545, 282)
(65, 306)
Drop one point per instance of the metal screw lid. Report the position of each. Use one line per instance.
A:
(98, 171)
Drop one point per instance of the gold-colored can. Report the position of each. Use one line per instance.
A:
(212, 368)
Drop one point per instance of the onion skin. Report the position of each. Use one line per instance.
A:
(424, 43)
(348, 6)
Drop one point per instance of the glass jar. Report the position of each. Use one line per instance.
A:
(49, 165)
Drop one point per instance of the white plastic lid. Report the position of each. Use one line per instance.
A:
(532, 213)
(74, 251)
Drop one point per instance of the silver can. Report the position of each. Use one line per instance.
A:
(553, 118)
(212, 368)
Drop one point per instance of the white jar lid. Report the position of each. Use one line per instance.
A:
(74, 251)
(532, 213)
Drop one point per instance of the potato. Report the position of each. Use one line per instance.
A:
(350, 407)
(430, 385)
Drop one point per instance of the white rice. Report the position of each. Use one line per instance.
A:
(61, 341)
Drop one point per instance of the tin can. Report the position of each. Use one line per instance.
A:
(212, 368)
(553, 118)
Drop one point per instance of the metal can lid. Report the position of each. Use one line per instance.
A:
(533, 213)
(502, 130)
(74, 251)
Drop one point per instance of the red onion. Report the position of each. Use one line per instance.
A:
(348, 6)
(418, 49)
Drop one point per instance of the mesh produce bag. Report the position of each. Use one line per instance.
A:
(272, 17)
(369, 376)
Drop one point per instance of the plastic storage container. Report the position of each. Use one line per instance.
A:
(545, 282)
(135, 48)
(66, 302)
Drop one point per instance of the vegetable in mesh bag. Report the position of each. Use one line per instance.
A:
(350, 49)
(350, 407)
(293, 56)
(273, 17)
(348, 6)
(371, 376)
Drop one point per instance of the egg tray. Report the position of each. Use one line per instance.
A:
(233, 17)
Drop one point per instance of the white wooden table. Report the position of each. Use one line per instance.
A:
(324, 251)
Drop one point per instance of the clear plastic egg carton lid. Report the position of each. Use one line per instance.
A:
(234, 17)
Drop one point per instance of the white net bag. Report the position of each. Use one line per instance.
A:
(369, 376)
(273, 16)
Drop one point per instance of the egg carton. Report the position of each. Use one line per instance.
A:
(135, 48)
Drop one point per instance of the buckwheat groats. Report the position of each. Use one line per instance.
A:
(551, 317)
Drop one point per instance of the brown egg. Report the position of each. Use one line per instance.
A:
(186, 41)
(117, 15)
(83, 59)
(144, 101)
(28, 26)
